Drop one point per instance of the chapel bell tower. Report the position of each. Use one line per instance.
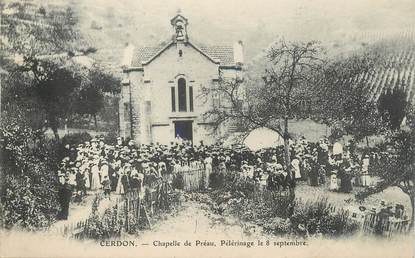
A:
(179, 24)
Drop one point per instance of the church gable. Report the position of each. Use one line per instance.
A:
(220, 54)
(183, 57)
(223, 55)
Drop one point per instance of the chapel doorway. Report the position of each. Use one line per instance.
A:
(184, 129)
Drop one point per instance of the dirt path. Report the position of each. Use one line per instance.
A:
(81, 211)
(196, 221)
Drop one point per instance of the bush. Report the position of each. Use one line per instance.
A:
(313, 218)
(278, 226)
(233, 182)
(107, 226)
(249, 200)
(29, 181)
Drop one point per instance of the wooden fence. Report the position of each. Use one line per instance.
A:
(134, 210)
(373, 224)
(193, 179)
(384, 226)
(134, 207)
(125, 214)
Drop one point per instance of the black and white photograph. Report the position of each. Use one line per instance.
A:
(220, 128)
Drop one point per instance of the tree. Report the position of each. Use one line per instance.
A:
(55, 89)
(94, 87)
(28, 171)
(397, 167)
(349, 97)
(39, 73)
(271, 96)
(344, 100)
(393, 105)
(351, 84)
(351, 111)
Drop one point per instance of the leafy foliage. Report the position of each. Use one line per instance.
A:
(252, 203)
(249, 200)
(35, 53)
(353, 94)
(28, 166)
(43, 76)
(102, 227)
(55, 89)
(91, 97)
(317, 218)
(393, 107)
(344, 102)
(396, 166)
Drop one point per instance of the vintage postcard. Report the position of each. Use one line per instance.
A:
(220, 128)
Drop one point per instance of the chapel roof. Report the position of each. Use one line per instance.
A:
(224, 54)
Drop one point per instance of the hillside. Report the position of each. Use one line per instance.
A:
(109, 25)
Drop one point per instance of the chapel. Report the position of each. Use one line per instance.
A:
(160, 98)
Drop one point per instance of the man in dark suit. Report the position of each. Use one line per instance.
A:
(64, 198)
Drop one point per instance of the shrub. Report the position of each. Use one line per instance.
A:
(107, 226)
(28, 165)
(312, 218)
(278, 226)
(249, 200)
(233, 182)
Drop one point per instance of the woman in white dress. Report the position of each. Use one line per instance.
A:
(208, 169)
(95, 181)
(104, 169)
(86, 177)
(84, 168)
(365, 171)
(333, 181)
(296, 165)
(120, 187)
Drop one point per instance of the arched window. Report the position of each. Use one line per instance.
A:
(181, 88)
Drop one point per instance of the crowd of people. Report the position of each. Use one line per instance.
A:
(125, 166)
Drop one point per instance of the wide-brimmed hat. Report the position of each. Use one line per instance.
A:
(278, 167)
(362, 208)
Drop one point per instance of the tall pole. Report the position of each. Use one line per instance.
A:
(131, 111)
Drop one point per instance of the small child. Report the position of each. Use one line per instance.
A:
(322, 175)
(106, 185)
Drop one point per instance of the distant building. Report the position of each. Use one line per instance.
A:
(160, 96)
